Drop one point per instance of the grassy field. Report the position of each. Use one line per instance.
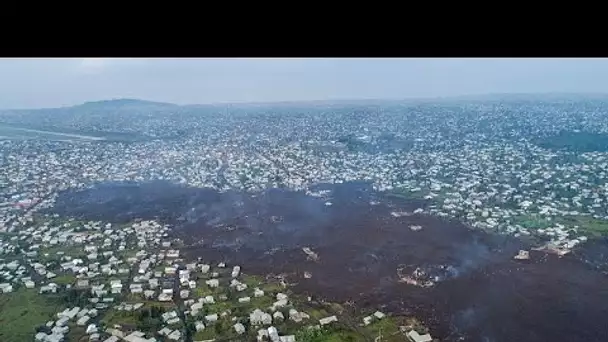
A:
(328, 335)
(388, 327)
(21, 312)
(252, 280)
(532, 222)
(120, 317)
(20, 133)
(207, 334)
(65, 279)
(587, 225)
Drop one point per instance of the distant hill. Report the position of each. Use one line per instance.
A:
(118, 119)
(136, 104)
(113, 104)
(123, 104)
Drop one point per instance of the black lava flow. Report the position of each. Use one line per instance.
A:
(480, 294)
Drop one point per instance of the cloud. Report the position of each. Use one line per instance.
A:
(93, 65)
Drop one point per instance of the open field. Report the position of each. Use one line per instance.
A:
(22, 310)
(19, 133)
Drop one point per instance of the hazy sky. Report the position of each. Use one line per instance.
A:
(26, 83)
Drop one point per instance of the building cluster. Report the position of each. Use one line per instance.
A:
(121, 271)
(482, 162)
(493, 164)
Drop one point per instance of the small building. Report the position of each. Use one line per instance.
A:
(379, 315)
(259, 317)
(273, 333)
(278, 316)
(414, 336)
(279, 304)
(164, 297)
(262, 334)
(172, 321)
(198, 325)
(327, 320)
(6, 288)
(136, 288)
(169, 315)
(164, 331)
(82, 283)
(236, 270)
(82, 321)
(91, 329)
(212, 283)
(175, 335)
(239, 328)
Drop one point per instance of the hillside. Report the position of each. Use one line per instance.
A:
(138, 118)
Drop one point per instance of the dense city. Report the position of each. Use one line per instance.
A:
(526, 168)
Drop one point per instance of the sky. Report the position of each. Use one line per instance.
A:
(36, 82)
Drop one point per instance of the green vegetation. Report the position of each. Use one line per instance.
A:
(23, 310)
(218, 307)
(202, 291)
(74, 297)
(252, 280)
(113, 317)
(272, 287)
(166, 306)
(327, 335)
(65, 279)
(223, 327)
(388, 327)
(532, 222)
(576, 141)
(126, 253)
(207, 334)
(150, 318)
(316, 313)
(262, 302)
(587, 225)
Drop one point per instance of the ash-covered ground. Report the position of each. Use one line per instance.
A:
(464, 284)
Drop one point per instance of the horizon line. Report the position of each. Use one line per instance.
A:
(341, 100)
